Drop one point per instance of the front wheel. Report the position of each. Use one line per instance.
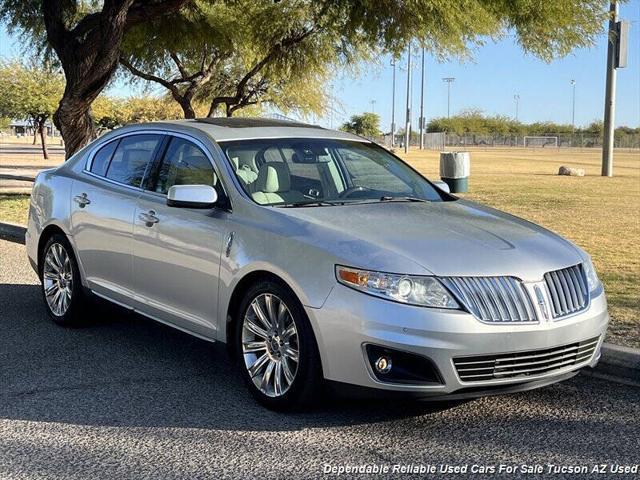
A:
(279, 358)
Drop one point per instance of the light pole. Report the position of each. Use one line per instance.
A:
(373, 105)
(573, 105)
(516, 98)
(610, 91)
(421, 123)
(407, 125)
(393, 105)
(449, 81)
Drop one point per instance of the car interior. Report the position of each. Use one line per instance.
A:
(285, 174)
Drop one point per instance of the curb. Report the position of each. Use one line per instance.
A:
(616, 362)
(619, 362)
(12, 232)
(19, 178)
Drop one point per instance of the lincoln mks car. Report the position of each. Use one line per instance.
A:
(318, 257)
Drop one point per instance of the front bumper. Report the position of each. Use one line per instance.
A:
(349, 320)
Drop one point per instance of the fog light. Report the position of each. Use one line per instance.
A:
(383, 364)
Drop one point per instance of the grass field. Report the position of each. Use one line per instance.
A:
(14, 208)
(601, 215)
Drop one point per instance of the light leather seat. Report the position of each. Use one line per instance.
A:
(273, 185)
(244, 172)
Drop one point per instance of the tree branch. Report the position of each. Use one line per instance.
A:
(179, 64)
(57, 33)
(242, 84)
(142, 10)
(149, 77)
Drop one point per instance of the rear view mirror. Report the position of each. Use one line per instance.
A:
(192, 196)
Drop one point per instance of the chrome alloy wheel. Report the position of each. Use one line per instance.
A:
(57, 279)
(270, 345)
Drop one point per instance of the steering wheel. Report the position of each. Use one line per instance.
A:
(349, 191)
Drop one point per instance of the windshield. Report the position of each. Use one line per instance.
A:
(297, 172)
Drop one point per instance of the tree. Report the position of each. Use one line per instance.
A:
(30, 93)
(110, 112)
(238, 54)
(87, 39)
(87, 36)
(366, 125)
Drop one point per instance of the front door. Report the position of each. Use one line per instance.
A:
(177, 251)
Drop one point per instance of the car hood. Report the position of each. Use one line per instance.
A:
(444, 238)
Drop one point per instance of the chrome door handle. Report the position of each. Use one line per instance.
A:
(149, 218)
(81, 200)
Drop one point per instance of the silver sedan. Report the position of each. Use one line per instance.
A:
(319, 257)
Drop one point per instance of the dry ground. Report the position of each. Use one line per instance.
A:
(601, 215)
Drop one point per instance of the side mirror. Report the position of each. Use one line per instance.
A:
(192, 196)
(442, 185)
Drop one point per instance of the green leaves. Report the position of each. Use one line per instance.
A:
(29, 91)
(367, 125)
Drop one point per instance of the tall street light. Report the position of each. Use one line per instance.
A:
(373, 105)
(422, 105)
(407, 125)
(449, 81)
(573, 106)
(393, 105)
(516, 98)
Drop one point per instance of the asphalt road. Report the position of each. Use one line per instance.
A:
(129, 398)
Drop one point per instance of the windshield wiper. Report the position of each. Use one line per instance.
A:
(314, 203)
(403, 199)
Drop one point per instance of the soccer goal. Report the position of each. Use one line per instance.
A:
(530, 141)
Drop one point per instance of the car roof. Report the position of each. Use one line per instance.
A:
(248, 128)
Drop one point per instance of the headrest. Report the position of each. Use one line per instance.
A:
(273, 177)
(241, 157)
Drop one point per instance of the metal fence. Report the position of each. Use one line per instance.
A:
(442, 140)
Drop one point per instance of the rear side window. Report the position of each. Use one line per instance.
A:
(101, 159)
(131, 158)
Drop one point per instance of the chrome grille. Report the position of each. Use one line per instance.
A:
(568, 291)
(523, 364)
(493, 299)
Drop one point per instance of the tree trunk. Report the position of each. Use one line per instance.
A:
(89, 56)
(187, 108)
(43, 138)
(73, 119)
(35, 133)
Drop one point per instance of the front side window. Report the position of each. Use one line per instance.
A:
(130, 159)
(184, 164)
(295, 171)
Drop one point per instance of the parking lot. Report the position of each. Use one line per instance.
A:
(128, 398)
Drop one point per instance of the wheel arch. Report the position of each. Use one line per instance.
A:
(238, 294)
(45, 235)
(47, 232)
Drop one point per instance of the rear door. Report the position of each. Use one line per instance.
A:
(177, 251)
(102, 211)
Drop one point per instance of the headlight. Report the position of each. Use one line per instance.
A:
(593, 282)
(413, 290)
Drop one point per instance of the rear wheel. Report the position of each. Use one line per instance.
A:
(61, 286)
(279, 358)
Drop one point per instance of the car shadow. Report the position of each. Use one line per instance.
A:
(122, 369)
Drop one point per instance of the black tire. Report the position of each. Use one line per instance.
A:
(302, 391)
(74, 313)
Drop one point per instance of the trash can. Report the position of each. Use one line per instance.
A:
(455, 168)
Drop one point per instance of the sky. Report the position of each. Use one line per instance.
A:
(497, 72)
